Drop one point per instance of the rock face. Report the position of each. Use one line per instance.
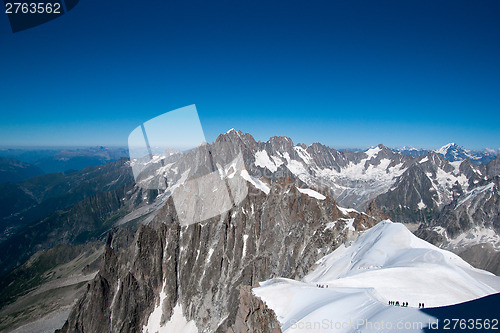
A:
(354, 179)
(457, 204)
(481, 204)
(428, 185)
(205, 267)
(253, 315)
(482, 255)
(493, 168)
(468, 220)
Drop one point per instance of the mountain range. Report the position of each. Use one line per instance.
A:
(268, 210)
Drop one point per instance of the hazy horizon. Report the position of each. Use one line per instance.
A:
(77, 147)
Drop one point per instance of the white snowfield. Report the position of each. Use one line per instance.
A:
(386, 263)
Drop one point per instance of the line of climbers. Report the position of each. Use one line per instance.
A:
(405, 304)
(322, 285)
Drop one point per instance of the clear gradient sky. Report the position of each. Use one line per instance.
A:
(344, 73)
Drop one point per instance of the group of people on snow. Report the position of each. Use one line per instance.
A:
(322, 285)
(405, 304)
(396, 303)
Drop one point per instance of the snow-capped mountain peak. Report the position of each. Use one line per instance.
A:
(454, 152)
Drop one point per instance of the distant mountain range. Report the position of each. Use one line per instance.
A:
(12, 170)
(19, 164)
(453, 152)
(51, 160)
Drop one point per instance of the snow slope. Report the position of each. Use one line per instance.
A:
(387, 262)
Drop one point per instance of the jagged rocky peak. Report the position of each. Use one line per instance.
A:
(474, 172)
(435, 160)
(236, 136)
(279, 144)
(380, 153)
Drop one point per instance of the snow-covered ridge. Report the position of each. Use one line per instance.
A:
(386, 263)
(386, 245)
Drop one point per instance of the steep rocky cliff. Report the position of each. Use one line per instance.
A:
(203, 268)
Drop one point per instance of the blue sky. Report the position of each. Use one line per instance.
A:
(344, 73)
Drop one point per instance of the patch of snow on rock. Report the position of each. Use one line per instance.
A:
(312, 193)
